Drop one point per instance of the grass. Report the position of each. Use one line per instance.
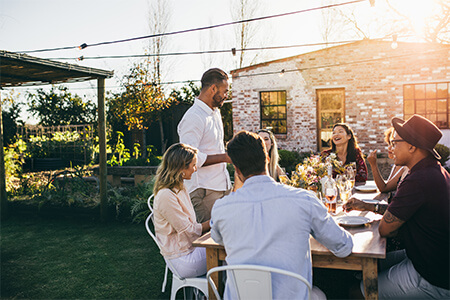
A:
(78, 259)
(69, 258)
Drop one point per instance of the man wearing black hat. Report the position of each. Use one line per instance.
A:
(418, 213)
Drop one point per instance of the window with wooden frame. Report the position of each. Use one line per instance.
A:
(273, 111)
(430, 100)
(330, 110)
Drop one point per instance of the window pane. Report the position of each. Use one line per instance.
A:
(409, 107)
(282, 98)
(329, 119)
(441, 121)
(442, 90)
(420, 107)
(265, 98)
(282, 128)
(331, 102)
(432, 118)
(273, 98)
(268, 112)
(431, 91)
(431, 107)
(408, 92)
(442, 106)
(281, 112)
(419, 91)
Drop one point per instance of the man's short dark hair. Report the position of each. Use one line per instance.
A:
(213, 76)
(247, 152)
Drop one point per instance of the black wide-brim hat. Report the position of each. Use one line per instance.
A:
(420, 132)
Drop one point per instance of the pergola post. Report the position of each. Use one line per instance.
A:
(3, 198)
(102, 148)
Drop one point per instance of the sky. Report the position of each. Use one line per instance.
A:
(41, 24)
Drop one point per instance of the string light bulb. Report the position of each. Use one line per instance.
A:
(281, 74)
(233, 51)
(82, 46)
(394, 44)
(80, 58)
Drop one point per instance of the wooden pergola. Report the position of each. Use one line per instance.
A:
(24, 70)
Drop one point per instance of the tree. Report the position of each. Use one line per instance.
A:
(59, 107)
(10, 118)
(187, 93)
(246, 32)
(142, 101)
(389, 18)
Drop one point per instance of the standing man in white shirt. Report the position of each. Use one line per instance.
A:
(202, 128)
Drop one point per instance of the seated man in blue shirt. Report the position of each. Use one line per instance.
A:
(418, 213)
(268, 223)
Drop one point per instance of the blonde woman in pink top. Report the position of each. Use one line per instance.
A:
(174, 217)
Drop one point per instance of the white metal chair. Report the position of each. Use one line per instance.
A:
(178, 282)
(253, 281)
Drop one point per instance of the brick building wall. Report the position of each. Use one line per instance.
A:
(371, 72)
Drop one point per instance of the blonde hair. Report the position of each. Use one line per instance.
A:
(273, 154)
(170, 172)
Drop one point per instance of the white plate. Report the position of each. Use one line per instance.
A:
(352, 221)
(366, 188)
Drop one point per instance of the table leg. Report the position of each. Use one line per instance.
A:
(212, 261)
(370, 277)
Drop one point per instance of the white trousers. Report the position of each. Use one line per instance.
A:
(191, 265)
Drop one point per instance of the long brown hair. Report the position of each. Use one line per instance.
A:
(352, 147)
(273, 154)
(170, 172)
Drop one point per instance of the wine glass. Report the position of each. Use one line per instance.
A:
(345, 187)
(350, 173)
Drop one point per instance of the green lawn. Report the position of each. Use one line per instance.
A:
(60, 258)
(69, 258)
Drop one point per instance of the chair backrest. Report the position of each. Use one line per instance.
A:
(253, 281)
(153, 235)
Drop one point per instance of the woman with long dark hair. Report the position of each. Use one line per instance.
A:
(345, 145)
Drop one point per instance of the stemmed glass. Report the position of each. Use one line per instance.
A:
(345, 187)
(350, 173)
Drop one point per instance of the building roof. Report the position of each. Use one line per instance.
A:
(24, 70)
(412, 45)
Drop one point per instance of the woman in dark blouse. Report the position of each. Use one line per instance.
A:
(344, 144)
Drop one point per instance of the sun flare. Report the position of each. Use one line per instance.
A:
(418, 12)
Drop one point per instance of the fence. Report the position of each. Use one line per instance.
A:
(77, 149)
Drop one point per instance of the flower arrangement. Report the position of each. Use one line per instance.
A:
(308, 174)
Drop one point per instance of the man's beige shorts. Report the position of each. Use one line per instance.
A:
(203, 201)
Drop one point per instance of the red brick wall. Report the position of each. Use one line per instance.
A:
(371, 72)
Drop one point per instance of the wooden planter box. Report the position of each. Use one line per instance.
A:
(119, 173)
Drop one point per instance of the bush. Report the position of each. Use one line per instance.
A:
(289, 159)
(66, 145)
(444, 152)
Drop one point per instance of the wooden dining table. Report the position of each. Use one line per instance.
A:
(368, 247)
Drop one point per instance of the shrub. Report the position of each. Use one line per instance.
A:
(444, 152)
(68, 145)
(289, 159)
(13, 155)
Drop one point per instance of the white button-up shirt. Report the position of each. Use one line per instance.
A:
(268, 223)
(201, 127)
